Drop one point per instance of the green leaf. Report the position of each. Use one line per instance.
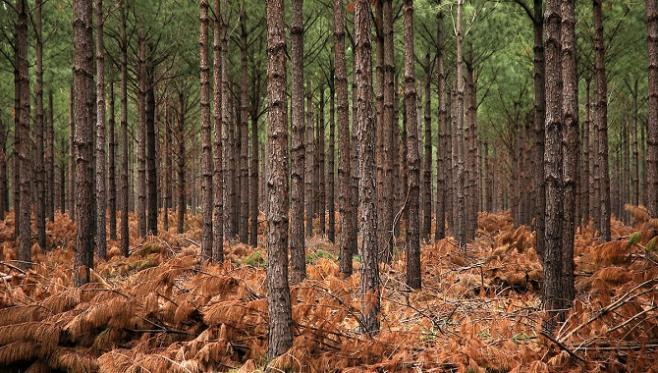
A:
(634, 239)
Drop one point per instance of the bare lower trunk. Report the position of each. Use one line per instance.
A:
(206, 135)
(218, 202)
(39, 169)
(652, 108)
(442, 139)
(125, 194)
(427, 154)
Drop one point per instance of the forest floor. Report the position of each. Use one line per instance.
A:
(161, 310)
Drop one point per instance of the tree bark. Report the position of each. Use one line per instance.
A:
(125, 194)
(278, 291)
(182, 203)
(652, 107)
(101, 211)
(206, 151)
(112, 184)
(538, 201)
(244, 131)
(218, 203)
(39, 131)
(388, 123)
(427, 165)
(553, 167)
(83, 105)
(50, 159)
(601, 119)
(151, 170)
(413, 159)
(227, 145)
(254, 182)
(442, 139)
(310, 177)
(4, 193)
(331, 158)
(367, 194)
(460, 206)
(346, 213)
(322, 191)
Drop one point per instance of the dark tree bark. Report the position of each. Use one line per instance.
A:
(458, 141)
(552, 260)
(253, 171)
(601, 119)
(4, 193)
(228, 169)
(652, 107)
(244, 130)
(297, 152)
(310, 163)
(49, 159)
(427, 154)
(278, 291)
(367, 195)
(322, 191)
(585, 168)
(141, 135)
(151, 170)
(344, 163)
(101, 211)
(413, 159)
(635, 179)
(24, 143)
(112, 184)
(39, 131)
(331, 157)
(167, 177)
(83, 104)
(182, 203)
(538, 201)
(570, 147)
(218, 203)
(442, 139)
(378, 89)
(471, 157)
(387, 124)
(125, 194)
(206, 151)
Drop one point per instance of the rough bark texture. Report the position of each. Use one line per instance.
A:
(367, 194)
(427, 155)
(322, 191)
(206, 134)
(254, 183)
(278, 291)
(310, 186)
(151, 169)
(331, 158)
(83, 107)
(344, 163)
(218, 203)
(388, 122)
(298, 157)
(141, 136)
(101, 210)
(538, 197)
(49, 160)
(228, 168)
(4, 193)
(413, 159)
(570, 147)
(125, 237)
(552, 294)
(601, 120)
(111, 166)
(39, 131)
(243, 226)
(652, 107)
(458, 141)
(182, 203)
(442, 139)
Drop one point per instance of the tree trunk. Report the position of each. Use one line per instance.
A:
(112, 184)
(460, 205)
(331, 157)
(125, 194)
(167, 179)
(552, 260)
(50, 159)
(635, 179)
(538, 201)
(151, 170)
(278, 291)
(322, 190)
(571, 148)
(4, 194)
(206, 134)
(367, 193)
(101, 234)
(652, 107)
(378, 90)
(182, 203)
(141, 136)
(413, 159)
(601, 119)
(244, 131)
(39, 131)
(83, 105)
(427, 165)
(387, 124)
(310, 179)
(227, 147)
(585, 190)
(219, 177)
(253, 183)
(442, 139)
(346, 213)
(297, 153)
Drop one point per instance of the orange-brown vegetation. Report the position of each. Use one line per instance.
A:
(161, 310)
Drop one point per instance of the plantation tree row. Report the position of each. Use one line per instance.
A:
(381, 125)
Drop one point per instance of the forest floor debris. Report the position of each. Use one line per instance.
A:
(479, 311)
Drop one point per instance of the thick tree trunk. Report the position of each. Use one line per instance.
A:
(125, 194)
(652, 107)
(570, 147)
(427, 164)
(413, 159)
(442, 139)
(84, 137)
(346, 213)
(297, 152)
(278, 291)
(378, 90)
(218, 203)
(206, 134)
(367, 194)
(23, 209)
(601, 119)
(101, 213)
(39, 131)
(553, 239)
(388, 123)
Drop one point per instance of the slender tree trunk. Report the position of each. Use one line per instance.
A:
(652, 107)
(367, 193)
(83, 76)
(553, 240)
(71, 166)
(344, 163)
(570, 147)
(460, 205)
(278, 291)
(244, 131)
(101, 211)
(112, 184)
(309, 181)
(219, 177)
(167, 177)
(39, 131)
(253, 183)
(297, 153)
(442, 139)
(182, 203)
(125, 194)
(227, 145)
(141, 136)
(322, 191)
(601, 119)
(413, 159)
(331, 158)
(378, 90)
(636, 158)
(387, 124)
(427, 165)
(151, 155)
(206, 134)
(472, 157)
(4, 194)
(538, 201)
(50, 160)
(585, 190)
